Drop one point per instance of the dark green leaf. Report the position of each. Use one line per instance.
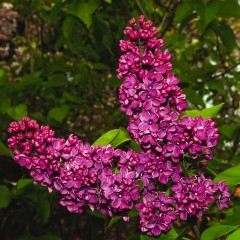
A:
(135, 147)
(228, 130)
(43, 208)
(215, 232)
(23, 183)
(59, 114)
(229, 8)
(113, 221)
(83, 10)
(227, 36)
(231, 176)
(171, 235)
(4, 150)
(49, 236)
(211, 11)
(17, 112)
(5, 196)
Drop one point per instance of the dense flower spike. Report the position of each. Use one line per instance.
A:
(114, 181)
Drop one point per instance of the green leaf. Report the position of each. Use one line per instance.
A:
(215, 232)
(228, 130)
(229, 8)
(121, 137)
(17, 112)
(108, 1)
(234, 236)
(114, 137)
(234, 217)
(96, 214)
(83, 10)
(184, 9)
(43, 207)
(5, 196)
(49, 236)
(113, 221)
(171, 235)
(59, 114)
(231, 176)
(227, 36)
(22, 183)
(211, 11)
(4, 150)
(135, 147)
(205, 113)
(106, 138)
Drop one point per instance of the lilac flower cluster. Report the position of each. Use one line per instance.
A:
(150, 95)
(114, 181)
(194, 194)
(81, 173)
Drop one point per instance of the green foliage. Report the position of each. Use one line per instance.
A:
(231, 176)
(217, 231)
(205, 113)
(114, 137)
(5, 196)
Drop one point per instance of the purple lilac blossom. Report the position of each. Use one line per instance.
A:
(109, 180)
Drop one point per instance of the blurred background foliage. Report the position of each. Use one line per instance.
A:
(58, 61)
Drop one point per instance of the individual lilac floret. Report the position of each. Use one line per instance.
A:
(193, 196)
(157, 213)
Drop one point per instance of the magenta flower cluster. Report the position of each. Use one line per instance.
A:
(114, 181)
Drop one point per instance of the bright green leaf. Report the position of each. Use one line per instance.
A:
(108, 1)
(4, 150)
(121, 137)
(227, 36)
(5, 196)
(231, 176)
(205, 113)
(106, 138)
(217, 231)
(114, 137)
(234, 236)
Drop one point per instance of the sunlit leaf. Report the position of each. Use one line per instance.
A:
(217, 231)
(205, 113)
(231, 176)
(234, 236)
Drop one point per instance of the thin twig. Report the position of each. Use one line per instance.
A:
(141, 8)
(227, 70)
(196, 230)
